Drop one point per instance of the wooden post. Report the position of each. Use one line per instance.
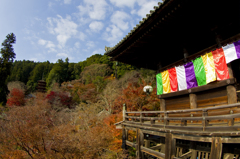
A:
(126, 130)
(231, 121)
(193, 101)
(141, 119)
(230, 71)
(166, 121)
(232, 94)
(147, 145)
(162, 141)
(216, 148)
(140, 141)
(162, 105)
(193, 146)
(124, 112)
(124, 146)
(204, 122)
(170, 146)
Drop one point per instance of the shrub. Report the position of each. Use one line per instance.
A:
(16, 98)
(59, 100)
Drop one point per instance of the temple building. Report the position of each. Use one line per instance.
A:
(195, 48)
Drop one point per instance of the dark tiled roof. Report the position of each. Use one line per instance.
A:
(144, 20)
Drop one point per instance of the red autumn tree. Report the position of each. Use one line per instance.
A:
(60, 99)
(16, 98)
(136, 99)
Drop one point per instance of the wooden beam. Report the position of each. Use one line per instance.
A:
(216, 148)
(131, 144)
(156, 147)
(234, 140)
(192, 138)
(157, 133)
(153, 153)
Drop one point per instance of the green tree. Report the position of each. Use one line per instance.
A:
(6, 60)
(59, 72)
(40, 71)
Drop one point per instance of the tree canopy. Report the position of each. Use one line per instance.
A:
(6, 60)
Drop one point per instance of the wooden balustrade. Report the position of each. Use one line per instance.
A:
(190, 118)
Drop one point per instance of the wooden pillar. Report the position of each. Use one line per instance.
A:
(162, 141)
(124, 138)
(230, 71)
(147, 145)
(140, 141)
(162, 105)
(216, 148)
(232, 94)
(193, 101)
(170, 146)
(124, 112)
(193, 146)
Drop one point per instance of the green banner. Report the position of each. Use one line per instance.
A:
(199, 71)
(159, 84)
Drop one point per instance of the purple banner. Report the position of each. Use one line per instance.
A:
(237, 47)
(190, 75)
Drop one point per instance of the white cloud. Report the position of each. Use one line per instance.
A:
(90, 44)
(48, 44)
(42, 42)
(96, 26)
(113, 34)
(95, 9)
(123, 3)
(64, 29)
(77, 45)
(81, 36)
(62, 55)
(67, 1)
(50, 4)
(146, 6)
(118, 18)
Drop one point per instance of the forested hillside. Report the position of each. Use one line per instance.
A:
(75, 117)
(29, 72)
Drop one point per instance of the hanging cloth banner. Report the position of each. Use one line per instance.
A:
(190, 75)
(220, 64)
(209, 67)
(173, 79)
(159, 84)
(181, 78)
(237, 48)
(230, 53)
(199, 71)
(166, 82)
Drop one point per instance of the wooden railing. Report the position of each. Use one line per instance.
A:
(220, 118)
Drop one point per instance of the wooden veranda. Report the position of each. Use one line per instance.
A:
(201, 122)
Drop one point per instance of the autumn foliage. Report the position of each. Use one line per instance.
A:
(16, 98)
(74, 120)
(62, 99)
(135, 99)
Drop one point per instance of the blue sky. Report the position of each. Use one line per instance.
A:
(55, 29)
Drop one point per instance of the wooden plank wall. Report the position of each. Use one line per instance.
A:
(178, 102)
(214, 97)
